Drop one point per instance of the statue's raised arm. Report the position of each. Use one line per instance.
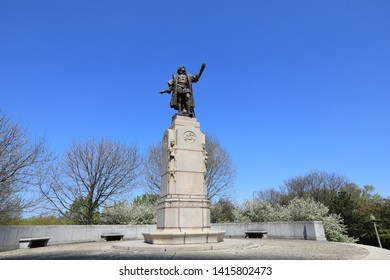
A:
(201, 70)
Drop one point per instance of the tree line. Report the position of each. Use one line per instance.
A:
(346, 210)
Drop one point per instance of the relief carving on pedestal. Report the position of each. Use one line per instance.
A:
(205, 158)
(172, 161)
(189, 136)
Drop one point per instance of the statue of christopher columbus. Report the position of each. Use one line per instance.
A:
(180, 86)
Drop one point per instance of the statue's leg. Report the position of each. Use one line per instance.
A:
(179, 105)
(184, 104)
(188, 103)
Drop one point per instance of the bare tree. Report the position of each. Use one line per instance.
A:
(272, 195)
(321, 186)
(221, 174)
(90, 174)
(220, 177)
(153, 168)
(20, 162)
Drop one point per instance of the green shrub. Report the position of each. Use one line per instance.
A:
(224, 211)
(335, 230)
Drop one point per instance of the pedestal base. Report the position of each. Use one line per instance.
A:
(176, 237)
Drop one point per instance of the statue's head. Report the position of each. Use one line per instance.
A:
(181, 70)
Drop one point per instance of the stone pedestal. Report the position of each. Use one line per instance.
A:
(183, 215)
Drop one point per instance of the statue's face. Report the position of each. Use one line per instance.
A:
(181, 70)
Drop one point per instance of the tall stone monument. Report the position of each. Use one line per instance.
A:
(183, 215)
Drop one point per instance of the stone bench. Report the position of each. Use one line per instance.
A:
(112, 236)
(33, 242)
(255, 233)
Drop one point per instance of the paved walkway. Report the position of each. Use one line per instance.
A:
(230, 249)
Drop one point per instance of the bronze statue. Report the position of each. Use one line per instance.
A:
(181, 87)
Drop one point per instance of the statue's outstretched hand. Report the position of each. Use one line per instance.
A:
(169, 90)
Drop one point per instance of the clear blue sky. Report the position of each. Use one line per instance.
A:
(290, 86)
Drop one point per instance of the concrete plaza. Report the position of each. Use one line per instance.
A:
(230, 249)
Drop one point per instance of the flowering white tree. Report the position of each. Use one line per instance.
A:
(142, 211)
(298, 209)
